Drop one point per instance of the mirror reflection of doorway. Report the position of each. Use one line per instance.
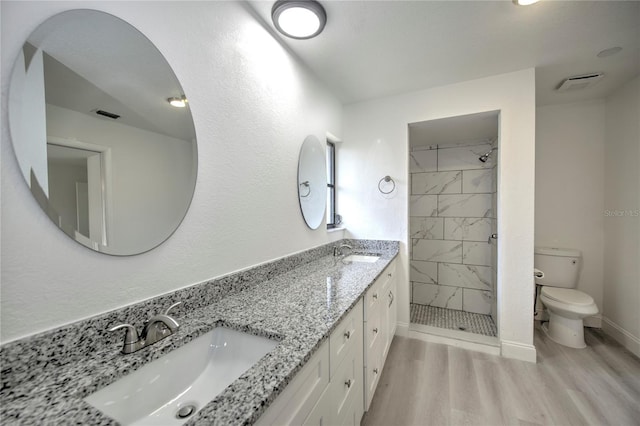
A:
(76, 190)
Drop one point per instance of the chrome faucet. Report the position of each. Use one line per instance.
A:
(155, 329)
(337, 250)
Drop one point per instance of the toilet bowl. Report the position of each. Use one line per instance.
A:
(566, 306)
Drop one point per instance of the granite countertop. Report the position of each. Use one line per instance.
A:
(298, 308)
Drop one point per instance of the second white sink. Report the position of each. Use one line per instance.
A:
(361, 258)
(171, 389)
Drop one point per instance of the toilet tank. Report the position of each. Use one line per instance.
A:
(560, 266)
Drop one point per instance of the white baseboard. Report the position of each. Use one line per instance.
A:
(593, 322)
(402, 329)
(518, 351)
(622, 336)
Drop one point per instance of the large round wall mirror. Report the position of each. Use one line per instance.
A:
(312, 181)
(106, 155)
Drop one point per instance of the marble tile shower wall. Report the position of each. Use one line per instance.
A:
(451, 217)
(494, 243)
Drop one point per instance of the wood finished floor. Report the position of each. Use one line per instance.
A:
(432, 384)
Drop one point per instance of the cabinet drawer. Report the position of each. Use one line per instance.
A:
(345, 336)
(346, 386)
(343, 398)
(372, 300)
(373, 329)
(372, 371)
(389, 276)
(293, 405)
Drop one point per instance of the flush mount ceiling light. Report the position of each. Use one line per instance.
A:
(178, 102)
(524, 2)
(299, 19)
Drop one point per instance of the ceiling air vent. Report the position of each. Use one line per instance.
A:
(579, 82)
(107, 114)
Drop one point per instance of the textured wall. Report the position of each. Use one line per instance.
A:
(622, 216)
(253, 104)
(376, 144)
(570, 148)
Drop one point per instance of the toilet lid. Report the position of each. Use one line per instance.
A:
(567, 295)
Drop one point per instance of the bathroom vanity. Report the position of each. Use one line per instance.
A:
(332, 319)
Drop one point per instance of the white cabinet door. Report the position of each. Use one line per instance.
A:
(379, 328)
(390, 308)
(345, 335)
(299, 397)
(343, 398)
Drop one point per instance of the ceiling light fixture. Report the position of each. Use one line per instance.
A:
(524, 2)
(178, 102)
(299, 19)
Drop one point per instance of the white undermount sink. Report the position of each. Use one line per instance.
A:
(366, 258)
(190, 376)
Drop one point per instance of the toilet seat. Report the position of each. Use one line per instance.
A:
(568, 296)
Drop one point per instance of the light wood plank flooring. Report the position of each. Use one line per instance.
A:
(433, 384)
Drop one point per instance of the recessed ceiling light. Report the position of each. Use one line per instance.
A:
(524, 2)
(178, 102)
(299, 19)
(608, 52)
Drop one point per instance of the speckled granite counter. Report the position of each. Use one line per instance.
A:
(297, 301)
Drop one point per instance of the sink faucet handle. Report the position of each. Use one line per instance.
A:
(132, 334)
(171, 307)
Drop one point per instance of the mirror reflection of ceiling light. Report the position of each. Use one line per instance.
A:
(524, 2)
(178, 102)
(299, 19)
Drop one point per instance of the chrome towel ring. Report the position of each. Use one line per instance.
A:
(306, 183)
(387, 179)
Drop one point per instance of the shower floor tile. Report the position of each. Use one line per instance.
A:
(453, 320)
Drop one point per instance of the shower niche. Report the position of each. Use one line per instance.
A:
(453, 223)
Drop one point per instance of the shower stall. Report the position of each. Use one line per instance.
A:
(452, 224)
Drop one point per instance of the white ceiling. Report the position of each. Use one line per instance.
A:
(460, 130)
(371, 49)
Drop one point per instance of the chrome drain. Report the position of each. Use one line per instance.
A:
(185, 411)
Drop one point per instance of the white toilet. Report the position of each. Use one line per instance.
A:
(566, 306)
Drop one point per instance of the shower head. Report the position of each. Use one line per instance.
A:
(484, 157)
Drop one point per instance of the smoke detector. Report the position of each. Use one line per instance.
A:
(579, 82)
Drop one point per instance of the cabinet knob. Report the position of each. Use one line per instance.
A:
(389, 274)
(375, 330)
(348, 383)
(347, 334)
(375, 371)
(375, 296)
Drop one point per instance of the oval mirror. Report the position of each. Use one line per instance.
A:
(312, 181)
(107, 157)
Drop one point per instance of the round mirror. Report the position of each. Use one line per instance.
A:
(312, 181)
(108, 158)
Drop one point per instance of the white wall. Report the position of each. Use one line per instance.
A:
(570, 147)
(252, 104)
(376, 144)
(622, 216)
